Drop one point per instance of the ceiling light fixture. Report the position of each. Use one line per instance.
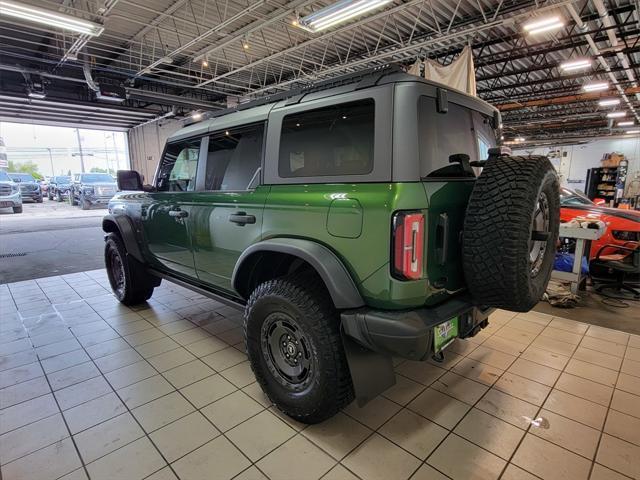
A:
(50, 18)
(609, 102)
(205, 63)
(628, 123)
(616, 114)
(629, 132)
(575, 65)
(544, 25)
(196, 116)
(338, 12)
(595, 87)
(519, 139)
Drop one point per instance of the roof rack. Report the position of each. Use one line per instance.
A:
(360, 79)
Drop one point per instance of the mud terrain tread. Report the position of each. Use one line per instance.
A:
(308, 294)
(497, 229)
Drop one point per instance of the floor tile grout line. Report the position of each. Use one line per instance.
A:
(66, 424)
(593, 461)
(606, 416)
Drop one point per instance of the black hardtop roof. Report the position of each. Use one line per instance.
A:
(385, 74)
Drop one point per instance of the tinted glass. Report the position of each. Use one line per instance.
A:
(233, 158)
(96, 178)
(569, 197)
(22, 177)
(4, 177)
(336, 140)
(441, 135)
(179, 164)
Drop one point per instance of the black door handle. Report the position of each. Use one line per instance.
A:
(177, 213)
(241, 218)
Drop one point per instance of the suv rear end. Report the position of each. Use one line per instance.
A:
(358, 228)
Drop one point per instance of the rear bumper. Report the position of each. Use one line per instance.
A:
(409, 333)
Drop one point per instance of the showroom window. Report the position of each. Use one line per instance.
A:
(330, 141)
(234, 158)
(441, 135)
(179, 165)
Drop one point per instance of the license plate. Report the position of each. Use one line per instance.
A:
(444, 334)
(6, 204)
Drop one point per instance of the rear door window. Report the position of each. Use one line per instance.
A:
(233, 158)
(329, 141)
(441, 135)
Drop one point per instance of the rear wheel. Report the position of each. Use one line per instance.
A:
(511, 231)
(293, 341)
(130, 282)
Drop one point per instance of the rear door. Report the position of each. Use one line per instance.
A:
(166, 218)
(227, 215)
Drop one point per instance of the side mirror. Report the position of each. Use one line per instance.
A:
(129, 180)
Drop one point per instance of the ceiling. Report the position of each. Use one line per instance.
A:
(183, 55)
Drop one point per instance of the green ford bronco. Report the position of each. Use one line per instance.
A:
(368, 217)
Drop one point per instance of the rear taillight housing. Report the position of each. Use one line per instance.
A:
(408, 246)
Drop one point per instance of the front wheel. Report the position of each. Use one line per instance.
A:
(58, 197)
(293, 341)
(130, 282)
(17, 209)
(72, 200)
(84, 203)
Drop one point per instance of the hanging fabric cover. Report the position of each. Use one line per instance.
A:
(459, 74)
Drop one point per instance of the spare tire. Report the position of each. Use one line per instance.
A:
(511, 231)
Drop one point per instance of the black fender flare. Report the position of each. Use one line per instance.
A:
(122, 224)
(335, 276)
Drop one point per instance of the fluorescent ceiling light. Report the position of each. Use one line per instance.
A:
(616, 114)
(339, 12)
(575, 65)
(627, 123)
(50, 18)
(609, 102)
(544, 25)
(38, 95)
(519, 139)
(196, 115)
(595, 87)
(629, 132)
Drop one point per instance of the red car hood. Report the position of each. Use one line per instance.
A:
(613, 216)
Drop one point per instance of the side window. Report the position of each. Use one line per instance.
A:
(233, 158)
(460, 130)
(178, 169)
(336, 140)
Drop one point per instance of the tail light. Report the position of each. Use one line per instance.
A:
(408, 245)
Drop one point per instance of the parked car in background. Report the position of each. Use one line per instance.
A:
(10, 193)
(622, 225)
(29, 186)
(59, 187)
(89, 189)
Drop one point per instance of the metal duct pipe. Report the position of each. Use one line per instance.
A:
(603, 62)
(86, 69)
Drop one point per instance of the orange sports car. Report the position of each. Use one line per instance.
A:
(623, 226)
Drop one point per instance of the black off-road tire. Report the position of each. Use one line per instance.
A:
(84, 204)
(304, 300)
(497, 239)
(17, 209)
(72, 200)
(130, 282)
(58, 197)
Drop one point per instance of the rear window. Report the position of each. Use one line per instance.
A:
(330, 141)
(460, 130)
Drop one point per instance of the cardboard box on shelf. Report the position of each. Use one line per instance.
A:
(612, 159)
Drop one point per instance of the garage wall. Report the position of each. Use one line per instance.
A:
(573, 161)
(146, 143)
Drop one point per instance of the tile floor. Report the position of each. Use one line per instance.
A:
(92, 389)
